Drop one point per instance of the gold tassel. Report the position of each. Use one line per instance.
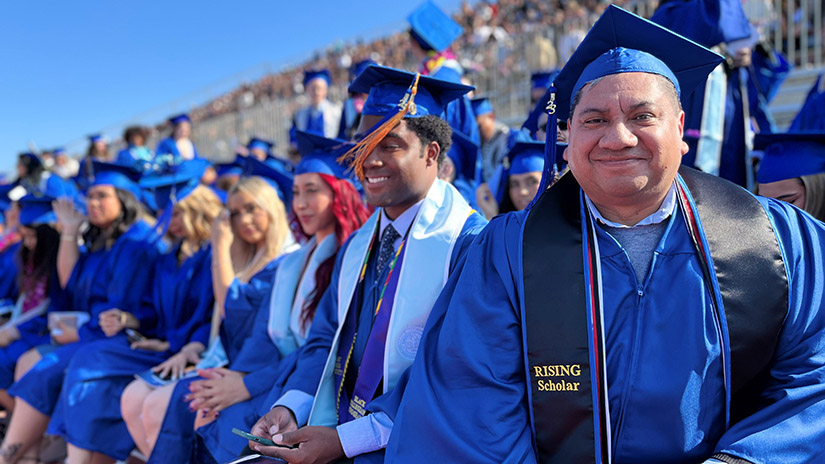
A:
(357, 155)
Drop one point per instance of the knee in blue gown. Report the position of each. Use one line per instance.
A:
(40, 387)
(90, 396)
(8, 361)
(176, 441)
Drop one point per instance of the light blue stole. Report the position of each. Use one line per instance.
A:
(294, 283)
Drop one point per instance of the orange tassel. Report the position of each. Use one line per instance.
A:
(357, 155)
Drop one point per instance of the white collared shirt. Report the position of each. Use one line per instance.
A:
(401, 224)
(664, 212)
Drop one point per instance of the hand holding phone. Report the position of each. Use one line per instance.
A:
(257, 439)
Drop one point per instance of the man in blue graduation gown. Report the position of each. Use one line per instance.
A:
(637, 311)
(386, 277)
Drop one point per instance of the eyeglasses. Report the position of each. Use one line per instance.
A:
(247, 209)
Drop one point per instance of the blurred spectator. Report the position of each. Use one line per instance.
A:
(496, 138)
(351, 113)
(98, 148)
(136, 154)
(178, 146)
(321, 116)
(64, 165)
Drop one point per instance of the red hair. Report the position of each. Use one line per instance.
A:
(350, 214)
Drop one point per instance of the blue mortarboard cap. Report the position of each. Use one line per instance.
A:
(179, 118)
(465, 154)
(319, 155)
(359, 67)
(790, 155)
(117, 175)
(481, 106)
(235, 168)
(708, 22)
(94, 138)
(279, 179)
(432, 28)
(542, 79)
(387, 87)
(262, 144)
(58, 151)
(526, 157)
(311, 74)
(36, 208)
(623, 42)
(174, 183)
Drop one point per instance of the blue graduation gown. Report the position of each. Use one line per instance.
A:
(182, 300)
(105, 279)
(167, 146)
(8, 277)
(466, 392)
(33, 332)
(176, 441)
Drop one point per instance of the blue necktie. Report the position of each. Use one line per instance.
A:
(387, 250)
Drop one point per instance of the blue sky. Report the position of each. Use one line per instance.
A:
(70, 68)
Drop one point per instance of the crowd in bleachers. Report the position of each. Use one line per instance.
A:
(153, 301)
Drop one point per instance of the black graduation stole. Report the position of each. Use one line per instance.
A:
(567, 392)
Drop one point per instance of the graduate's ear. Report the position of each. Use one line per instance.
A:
(431, 152)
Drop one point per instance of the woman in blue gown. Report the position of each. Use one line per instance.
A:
(516, 181)
(181, 299)
(326, 208)
(110, 273)
(246, 240)
(36, 277)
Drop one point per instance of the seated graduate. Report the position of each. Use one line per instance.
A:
(10, 243)
(178, 146)
(105, 280)
(793, 170)
(246, 238)
(387, 276)
(637, 311)
(180, 305)
(516, 180)
(33, 178)
(326, 209)
(36, 266)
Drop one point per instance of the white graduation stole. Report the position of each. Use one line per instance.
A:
(424, 272)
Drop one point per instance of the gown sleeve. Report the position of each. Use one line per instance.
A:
(788, 428)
